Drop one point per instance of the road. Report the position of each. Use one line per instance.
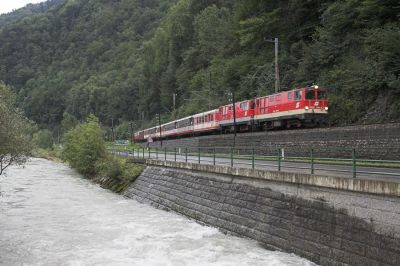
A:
(362, 172)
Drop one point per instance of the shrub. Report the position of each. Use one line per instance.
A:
(84, 146)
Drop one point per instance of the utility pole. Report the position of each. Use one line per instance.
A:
(158, 117)
(112, 129)
(277, 80)
(232, 98)
(131, 127)
(209, 89)
(174, 104)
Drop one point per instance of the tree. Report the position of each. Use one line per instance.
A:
(43, 139)
(84, 146)
(15, 128)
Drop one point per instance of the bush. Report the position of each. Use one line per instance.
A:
(109, 167)
(84, 146)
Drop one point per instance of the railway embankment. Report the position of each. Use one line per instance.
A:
(331, 221)
(379, 141)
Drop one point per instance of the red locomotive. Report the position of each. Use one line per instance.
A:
(305, 107)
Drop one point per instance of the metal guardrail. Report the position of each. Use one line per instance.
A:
(350, 167)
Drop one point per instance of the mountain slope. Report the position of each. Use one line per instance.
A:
(124, 60)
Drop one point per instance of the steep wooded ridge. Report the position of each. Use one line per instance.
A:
(125, 59)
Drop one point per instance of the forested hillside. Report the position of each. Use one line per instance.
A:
(126, 59)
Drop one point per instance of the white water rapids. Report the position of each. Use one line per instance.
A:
(51, 216)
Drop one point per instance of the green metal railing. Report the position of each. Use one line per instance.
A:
(272, 160)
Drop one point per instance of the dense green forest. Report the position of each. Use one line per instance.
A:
(124, 60)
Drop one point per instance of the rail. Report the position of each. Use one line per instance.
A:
(273, 160)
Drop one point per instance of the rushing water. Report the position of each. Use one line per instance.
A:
(50, 216)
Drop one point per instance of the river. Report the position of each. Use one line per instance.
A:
(51, 216)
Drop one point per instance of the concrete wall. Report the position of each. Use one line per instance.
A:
(371, 141)
(326, 225)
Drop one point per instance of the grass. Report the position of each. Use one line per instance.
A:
(52, 155)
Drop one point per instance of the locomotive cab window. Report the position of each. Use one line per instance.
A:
(322, 95)
(310, 94)
(289, 95)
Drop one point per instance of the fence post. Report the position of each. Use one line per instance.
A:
(149, 153)
(353, 155)
(165, 153)
(186, 159)
(214, 156)
(133, 152)
(231, 157)
(143, 153)
(156, 153)
(175, 154)
(279, 159)
(312, 161)
(199, 156)
(253, 159)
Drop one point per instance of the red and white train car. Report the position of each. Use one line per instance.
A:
(295, 108)
(243, 113)
(206, 122)
(181, 127)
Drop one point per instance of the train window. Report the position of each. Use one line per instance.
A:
(310, 94)
(278, 97)
(322, 95)
(272, 98)
(289, 95)
(297, 95)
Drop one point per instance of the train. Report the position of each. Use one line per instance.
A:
(303, 107)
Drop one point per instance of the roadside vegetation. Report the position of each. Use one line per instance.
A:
(85, 150)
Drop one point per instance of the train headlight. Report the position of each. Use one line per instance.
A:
(326, 108)
(316, 87)
(306, 107)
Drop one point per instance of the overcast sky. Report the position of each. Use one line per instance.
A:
(8, 5)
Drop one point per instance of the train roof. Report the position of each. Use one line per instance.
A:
(206, 113)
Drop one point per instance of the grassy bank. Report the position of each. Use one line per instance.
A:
(116, 173)
(49, 154)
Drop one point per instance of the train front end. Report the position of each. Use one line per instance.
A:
(315, 104)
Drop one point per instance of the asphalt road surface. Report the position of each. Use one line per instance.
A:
(362, 172)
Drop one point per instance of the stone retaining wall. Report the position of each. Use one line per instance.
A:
(381, 141)
(326, 226)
